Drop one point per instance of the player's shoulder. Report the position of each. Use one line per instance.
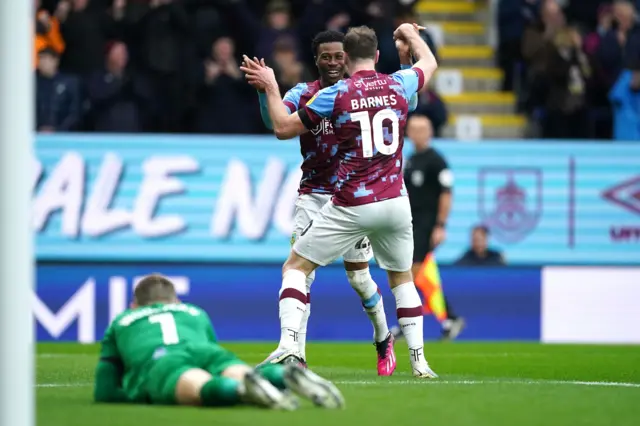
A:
(121, 320)
(297, 92)
(340, 87)
(328, 95)
(305, 88)
(194, 310)
(405, 74)
(439, 156)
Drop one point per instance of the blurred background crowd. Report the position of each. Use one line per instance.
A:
(572, 66)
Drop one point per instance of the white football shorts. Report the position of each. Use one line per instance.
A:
(335, 230)
(307, 208)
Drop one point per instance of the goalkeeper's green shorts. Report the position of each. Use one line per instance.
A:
(166, 371)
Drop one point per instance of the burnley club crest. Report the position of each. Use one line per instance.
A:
(510, 201)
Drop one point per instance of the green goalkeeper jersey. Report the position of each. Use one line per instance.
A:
(139, 335)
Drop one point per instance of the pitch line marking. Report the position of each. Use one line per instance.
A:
(418, 382)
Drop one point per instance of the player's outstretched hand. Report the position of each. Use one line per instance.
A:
(404, 50)
(257, 73)
(405, 30)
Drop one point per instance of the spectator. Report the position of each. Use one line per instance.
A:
(601, 115)
(621, 43)
(513, 17)
(47, 33)
(539, 35)
(227, 103)
(584, 12)
(480, 254)
(159, 34)
(625, 98)
(57, 95)
(537, 46)
(288, 69)
(567, 75)
(85, 31)
(119, 99)
(605, 21)
(277, 23)
(431, 105)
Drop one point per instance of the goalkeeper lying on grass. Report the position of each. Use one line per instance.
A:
(162, 351)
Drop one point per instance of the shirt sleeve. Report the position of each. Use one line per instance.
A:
(411, 81)
(445, 175)
(108, 346)
(319, 107)
(109, 372)
(413, 102)
(292, 97)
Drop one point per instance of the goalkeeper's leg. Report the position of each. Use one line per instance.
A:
(238, 384)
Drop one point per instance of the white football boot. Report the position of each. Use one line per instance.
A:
(256, 390)
(316, 389)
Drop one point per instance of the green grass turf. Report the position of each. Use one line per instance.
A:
(481, 384)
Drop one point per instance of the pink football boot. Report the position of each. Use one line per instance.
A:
(386, 356)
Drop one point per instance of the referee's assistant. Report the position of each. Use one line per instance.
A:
(429, 183)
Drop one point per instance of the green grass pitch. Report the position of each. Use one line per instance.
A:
(486, 384)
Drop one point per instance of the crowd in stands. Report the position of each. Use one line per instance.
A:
(575, 65)
(173, 65)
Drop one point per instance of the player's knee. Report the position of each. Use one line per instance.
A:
(236, 372)
(298, 263)
(359, 279)
(355, 266)
(190, 385)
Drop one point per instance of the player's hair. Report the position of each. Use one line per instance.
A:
(482, 228)
(361, 43)
(154, 289)
(329, 36)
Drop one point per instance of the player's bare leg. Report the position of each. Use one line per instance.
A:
(409, 311)
(237, 384)
(360, 279)
(292, 307)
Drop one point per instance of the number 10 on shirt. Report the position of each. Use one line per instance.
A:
(373, 131)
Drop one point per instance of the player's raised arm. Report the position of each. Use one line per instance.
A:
(109, 372)
(285, 125)
(404, 53)
(290, 101)
(426, 61)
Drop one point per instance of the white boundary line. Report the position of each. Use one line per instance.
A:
(524, 382)
(419, 382)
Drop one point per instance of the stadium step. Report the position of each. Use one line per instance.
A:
(457, 33)
(466, 56)
(446, 10)
(480, 103)
(460, 28)
(475, 79)
(495, 126)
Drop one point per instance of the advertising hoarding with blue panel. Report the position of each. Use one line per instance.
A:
(230, 199)
(76, 302)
